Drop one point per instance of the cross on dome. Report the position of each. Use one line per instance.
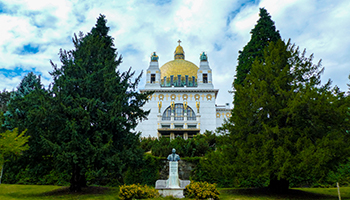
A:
(179, 42)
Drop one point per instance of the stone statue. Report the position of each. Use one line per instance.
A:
(173, 156)
(173, 186)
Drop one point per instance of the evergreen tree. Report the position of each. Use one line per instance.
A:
(4, 99)
(18, 109)
(263, 33)
(95, 110)
(27, 108)
(287, 126)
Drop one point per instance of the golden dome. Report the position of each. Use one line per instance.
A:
(179, 52)
(179, 67)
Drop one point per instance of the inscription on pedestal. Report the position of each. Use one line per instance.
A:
(173, 175)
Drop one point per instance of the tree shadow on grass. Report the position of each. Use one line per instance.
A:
(84, 191)
(266, 192)
(64, 191)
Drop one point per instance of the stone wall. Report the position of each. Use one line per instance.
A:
(185, 170)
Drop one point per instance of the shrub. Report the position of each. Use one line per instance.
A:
(201, 190)
(127, 192)
(198, 146)
(146, 173)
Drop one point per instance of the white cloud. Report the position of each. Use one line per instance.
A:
(141, 27)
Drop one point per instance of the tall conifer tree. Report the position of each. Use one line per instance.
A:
(263, 33)
(288, 124)
(96, 108)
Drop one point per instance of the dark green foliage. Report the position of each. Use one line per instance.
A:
(26, 110)
(147, 143)
(288, 127)
(2, 120)
(218, 167)
(262, 34)
(82, 126)
(146, 173)
(18, 104)
(95, 108)
(198, 146)
(4, 99)
(341, 175)
(161, 147)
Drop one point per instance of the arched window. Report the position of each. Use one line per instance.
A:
(190, 114)
(178, 113)
(167, 114)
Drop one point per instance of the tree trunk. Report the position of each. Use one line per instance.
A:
(77, 180)
(279, 186)
(2, 170)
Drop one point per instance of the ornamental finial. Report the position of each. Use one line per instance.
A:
(154, 57)
(179, 42)
(203, 57)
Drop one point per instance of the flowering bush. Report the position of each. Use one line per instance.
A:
(138, 191)
(202, 190)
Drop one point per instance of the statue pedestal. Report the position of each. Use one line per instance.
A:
(173, 181)
(173, 186)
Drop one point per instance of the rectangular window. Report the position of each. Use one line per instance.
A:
(171, 80)
(193, 81)
(178, 80)
(205, 78)
(178, 125)
(153, 78)
(192, 126)
(186, 79)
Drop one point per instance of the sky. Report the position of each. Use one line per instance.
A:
(33, 32)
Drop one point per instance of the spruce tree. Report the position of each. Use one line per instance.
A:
(263, 33)
(26, 110)
(96, 108)
(288, 126)
(17, 109)
(4, 99)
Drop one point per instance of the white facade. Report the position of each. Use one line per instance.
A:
(183, 102)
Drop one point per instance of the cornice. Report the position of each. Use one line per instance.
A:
(179, 90)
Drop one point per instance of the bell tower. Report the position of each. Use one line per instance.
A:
(153, 73)
(204, 73)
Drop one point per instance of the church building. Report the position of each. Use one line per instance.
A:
(183, 102)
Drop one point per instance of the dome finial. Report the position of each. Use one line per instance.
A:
(203, 57)
(179, 52)
(154, 57)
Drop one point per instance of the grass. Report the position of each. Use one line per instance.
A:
(38, 192)
(293, 194)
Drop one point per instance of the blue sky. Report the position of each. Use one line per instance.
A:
(33, 32)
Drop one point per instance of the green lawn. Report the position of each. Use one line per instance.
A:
(36, 192)
(293, 194)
